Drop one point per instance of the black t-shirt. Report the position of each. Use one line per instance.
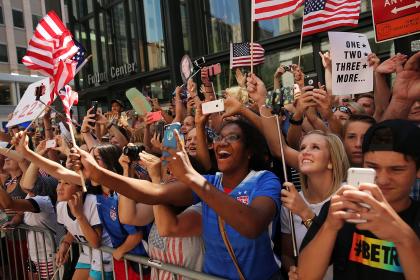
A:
(360, 254)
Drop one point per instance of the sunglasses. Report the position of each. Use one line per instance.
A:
(342, 109)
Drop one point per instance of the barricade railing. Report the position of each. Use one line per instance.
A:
(15, 252)
(143, 262)
(15, 256)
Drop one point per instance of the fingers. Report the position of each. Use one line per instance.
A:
(413, 62)
(179, 141)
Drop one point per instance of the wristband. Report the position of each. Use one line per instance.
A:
(296, 122)
(308, 222)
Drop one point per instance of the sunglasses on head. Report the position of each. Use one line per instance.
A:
(342, 109)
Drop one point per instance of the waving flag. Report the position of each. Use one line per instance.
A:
(268, 9)
(240, 54)
(69, 98)
(50, 43)
(323, 15)
(67, 69)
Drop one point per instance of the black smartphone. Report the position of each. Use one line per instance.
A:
(311, 80)
(94, 111)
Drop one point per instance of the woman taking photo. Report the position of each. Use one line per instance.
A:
(245, 199)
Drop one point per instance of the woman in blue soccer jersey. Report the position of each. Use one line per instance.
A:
(246, 200)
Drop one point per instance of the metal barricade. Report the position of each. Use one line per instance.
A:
(143, 262)
(16, 247)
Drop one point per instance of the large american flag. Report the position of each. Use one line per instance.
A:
(268, 9)
(69, 98)
(50, 43)
(323, 15)
(240, 54)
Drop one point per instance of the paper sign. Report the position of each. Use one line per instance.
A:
(28, 108)
(351, 73)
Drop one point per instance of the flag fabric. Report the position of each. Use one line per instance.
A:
(69, 98)
(268, 9)
(67, 69)
(240, 54)
(50, 43)
(323, 15)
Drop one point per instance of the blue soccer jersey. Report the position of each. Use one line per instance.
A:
(255, 256)
(108, 213)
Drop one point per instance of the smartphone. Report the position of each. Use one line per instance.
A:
(141, 172)
(357, 176)
(296, 90)
(169, 140)
(311, 80)
(160, 129)
(154, 116)
(214, 69)
(50, 144)
(213, 106)
(94, 111)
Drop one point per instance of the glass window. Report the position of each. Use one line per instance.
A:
(3, 54)
(93, 47)
(20, 53)
(154, 34)
(266, 29)
(1, 15)
(18, 19)
(185, 26)
(102, 41)
(117, 36)
(365, 6)
(223, 24)
(85, 7)
(286, 57)
(35, 20)
(158, 89)
(5, 98)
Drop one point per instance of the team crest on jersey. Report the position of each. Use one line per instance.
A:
(243, 197)
(113, 214)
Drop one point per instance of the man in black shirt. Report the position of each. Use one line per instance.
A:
(387, 245)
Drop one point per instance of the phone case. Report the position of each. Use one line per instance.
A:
(169, 140)
(213, 106)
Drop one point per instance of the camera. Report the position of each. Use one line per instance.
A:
(287, 67)
(133, 152)
(199, 62)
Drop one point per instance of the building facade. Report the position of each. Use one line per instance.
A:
(139, 43)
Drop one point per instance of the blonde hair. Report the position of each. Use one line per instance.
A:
(241, 94)
(338, 158)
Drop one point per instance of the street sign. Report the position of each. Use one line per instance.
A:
(395, 18)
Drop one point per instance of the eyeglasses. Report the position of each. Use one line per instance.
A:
(230, 138)
(342, 109)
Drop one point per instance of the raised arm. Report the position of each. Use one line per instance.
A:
(86, 129)
(203, 154)
(271, 134)
(51, 167)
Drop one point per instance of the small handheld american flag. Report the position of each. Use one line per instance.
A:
(240, 54)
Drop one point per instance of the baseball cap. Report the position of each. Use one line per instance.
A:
(117, 101)
(400, 136)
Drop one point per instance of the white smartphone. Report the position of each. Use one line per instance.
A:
(50, 144)
(213, 106)
(357, 176)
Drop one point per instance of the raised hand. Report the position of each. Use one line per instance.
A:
(279, 72)
(82, 160)
(41, 149)
(256, 89)
(293, 201)
(407, 82)
(240, 78)
(232, 107)
(205, 79)
(390, 65)
(153, 165)
(62, 145)
(326, 60)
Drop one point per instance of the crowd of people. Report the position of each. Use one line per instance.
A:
(223, 202)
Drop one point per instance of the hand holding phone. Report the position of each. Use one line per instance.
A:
(213, 106)
(94, 111)
(169, 139)
(50, 144)
(356, 177)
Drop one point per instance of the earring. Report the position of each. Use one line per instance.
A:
(329, 166)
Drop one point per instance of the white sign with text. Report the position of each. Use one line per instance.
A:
(28, 108)
(351, 73)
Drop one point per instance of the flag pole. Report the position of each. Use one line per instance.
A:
(73, 139)
(301, 39)
(251, 47)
